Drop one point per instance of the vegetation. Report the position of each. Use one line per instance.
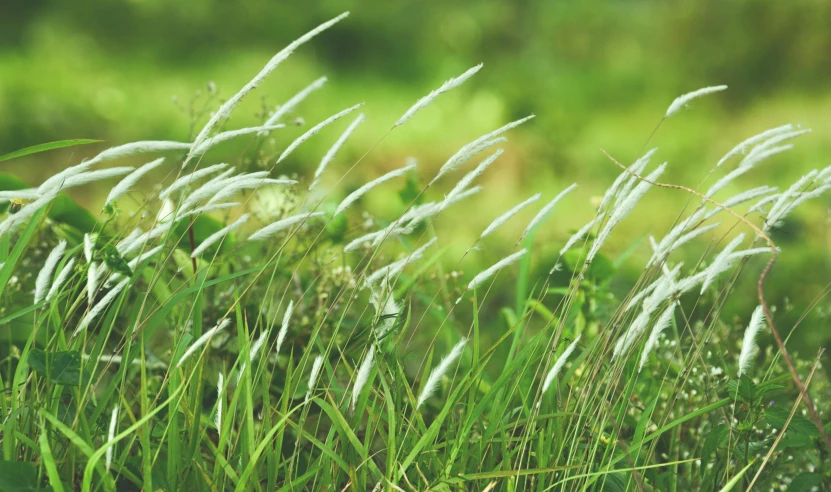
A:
(235, 328)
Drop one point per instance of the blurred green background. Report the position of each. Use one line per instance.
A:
(596, 74)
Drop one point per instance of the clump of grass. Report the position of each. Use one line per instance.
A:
(151, 342)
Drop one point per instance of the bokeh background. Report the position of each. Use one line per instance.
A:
(596, 74)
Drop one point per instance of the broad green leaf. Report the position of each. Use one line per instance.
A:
(67, 211)
(116, 262)
(60, 367)
(715, 439)
(777, 416)
(601, 270)
(18, 476)
(805, 481)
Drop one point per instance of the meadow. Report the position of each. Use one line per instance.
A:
(205, 325)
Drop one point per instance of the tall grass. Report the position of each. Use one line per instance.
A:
(184, 347)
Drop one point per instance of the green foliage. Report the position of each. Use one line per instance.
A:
(34, 149)
(198, 374)
(59, 367)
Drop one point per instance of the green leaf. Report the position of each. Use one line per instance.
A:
(805, 481)
(795, 440)
(742, 388)
(60, 367)
(411, 193)
(615, 482)
(736, 479)
(601, 270)
(19, 476)
(67, 211)
(115, 261)
(777, 416)
(762, 390)
(715, 439)
(34, 149)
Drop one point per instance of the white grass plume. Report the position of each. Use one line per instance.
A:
(202, 340)
(252, 354)
(466, 181)
(623, 184)
(330, 154)
(471, 149)
(314, 130)
(742, 147)
(771, 143)
(296, 99)
(682, 241)
(25, 194)
(317, 365)
(634, 330)
(363, 375)
(435, 375)
(578, 235)
(134, 148)
(232, 187)
(621, 211)
(219, 189)
(25, 214)
(92, 281)
(183, 181)
(167, 211)
(88, 247)
(561, 361)
(220, 383)
(429, 98)
(742, 197)
(721, 262)
(218, 235)
(93, 176)
(258, 345)
(546, 210)
(352, 197)
(486, 274)
(131, 179)
(108, 454)
(784, 204)
(65, 272)
(376, 238)
(682, 101)
(228, 106)
(660, 325)
(142, 239)
(206, 209)
(725, 180)
(44, 278)
(396, 267)
(749, 347)
(284, 328)
(383, 299)
(282, 224)
(419, 213)
(231, 134)
(100, 306)
(507, 215)
(57, 181)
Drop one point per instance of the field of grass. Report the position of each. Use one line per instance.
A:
(193, 324)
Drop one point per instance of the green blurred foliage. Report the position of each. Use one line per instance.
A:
(597, 74)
